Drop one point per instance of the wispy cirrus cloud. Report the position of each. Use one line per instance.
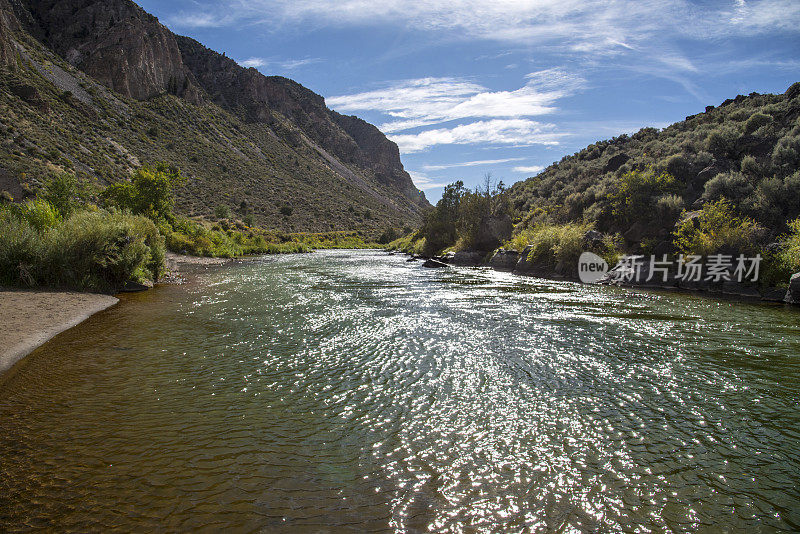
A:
(253, 62)
(424, 182)
(482, 115)
(478, 163)
(534, 169)
(515, 132)
(429, 101)
(201, 19)
(588, 26)
(291, 64)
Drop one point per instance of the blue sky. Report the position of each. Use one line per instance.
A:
(467, 87)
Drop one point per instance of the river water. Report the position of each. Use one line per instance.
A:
(354, 391)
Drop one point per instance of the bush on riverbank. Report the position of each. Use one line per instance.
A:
(718, 230)
(413, 243)
(468, 220)
(96, 250)
(58, 240)
(790, 255)
(553, 244)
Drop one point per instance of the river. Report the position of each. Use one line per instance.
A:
(355, 391)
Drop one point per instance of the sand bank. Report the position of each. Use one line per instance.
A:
(28, 319)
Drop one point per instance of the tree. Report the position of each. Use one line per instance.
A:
(65, 193)
(150, 192)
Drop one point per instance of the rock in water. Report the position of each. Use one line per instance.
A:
(793, 295)
(434, 264)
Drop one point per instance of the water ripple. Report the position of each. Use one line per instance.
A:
(354, 391)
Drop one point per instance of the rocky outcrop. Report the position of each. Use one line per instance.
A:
(463, 258)
(122, 47)
(352, 141)
(793, 294)
(115, 42)
(8, 25)
(504, 260)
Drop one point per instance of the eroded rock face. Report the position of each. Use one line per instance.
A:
(464, 258)
(350, 139)
(8, 24)
(126, 49)
(115, 42)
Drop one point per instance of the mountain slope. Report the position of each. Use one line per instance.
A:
(99, 87)
(746, 150)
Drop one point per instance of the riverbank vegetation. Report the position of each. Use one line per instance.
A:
(79, 236)
(92, 249)
(726, 181)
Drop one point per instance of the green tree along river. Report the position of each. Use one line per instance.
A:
(355, 391)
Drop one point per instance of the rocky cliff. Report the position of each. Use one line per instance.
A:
(282, 142)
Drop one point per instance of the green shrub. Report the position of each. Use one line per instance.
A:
(22, 251)
(787, 151)
(756, 121)
(750, 166)
(637, 192)
(551, 244)
(92, 250)
(150, 192)
(669, 207)
(286, 211)
(791, 251)
(40, 214)
(733, 186)
(65, 193)
(222, 212)
(718, 229)
(722, 141)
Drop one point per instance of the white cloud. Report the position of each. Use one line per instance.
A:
(254, 62)
(529, 170)
(429, 101)
(297, 63)
(479, 163)
(200, 20)
(517, 132)
(589, 26)
(291, 64)
(423, 182)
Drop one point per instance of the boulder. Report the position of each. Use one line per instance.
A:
(662, 247)
(135, 287)
(434, 264)
(494, 231)
(463, 258)
(635, 233)
(793, 294)
(773, 294)
(504, 260)
(593, 237)
(708, 173)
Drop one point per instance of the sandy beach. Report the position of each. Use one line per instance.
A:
(31, 318)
